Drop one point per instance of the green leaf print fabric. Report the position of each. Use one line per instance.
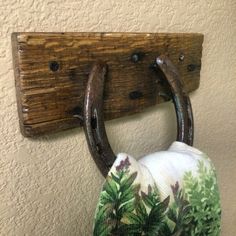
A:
(169, 193)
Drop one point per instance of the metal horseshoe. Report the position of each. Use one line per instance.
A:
(94, 126)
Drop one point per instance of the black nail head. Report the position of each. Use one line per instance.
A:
(191, 67)
(54, 66)
(135, 95)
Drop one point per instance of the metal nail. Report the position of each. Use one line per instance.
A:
(135, 95)
(181, 57)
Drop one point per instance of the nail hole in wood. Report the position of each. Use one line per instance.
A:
(54, 66)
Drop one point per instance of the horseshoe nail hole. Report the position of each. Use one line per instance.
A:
(94, 122)
(189, 122)
(99, 149)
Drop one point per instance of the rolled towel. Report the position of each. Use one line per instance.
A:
(167, 193)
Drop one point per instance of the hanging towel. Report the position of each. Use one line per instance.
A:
(167, 193)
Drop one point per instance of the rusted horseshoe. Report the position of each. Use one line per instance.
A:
(94, 126)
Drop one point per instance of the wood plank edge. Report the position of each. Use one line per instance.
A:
(15, 60)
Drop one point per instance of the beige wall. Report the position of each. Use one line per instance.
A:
(50, 186)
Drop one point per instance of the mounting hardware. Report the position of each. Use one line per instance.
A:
(181, 57)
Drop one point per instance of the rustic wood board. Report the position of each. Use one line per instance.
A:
(51, 71)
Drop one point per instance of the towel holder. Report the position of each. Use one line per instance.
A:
(94, 127)
(51, 74)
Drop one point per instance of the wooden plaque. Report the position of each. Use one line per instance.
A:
(51, 71)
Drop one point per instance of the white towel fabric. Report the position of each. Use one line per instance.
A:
(167, 193)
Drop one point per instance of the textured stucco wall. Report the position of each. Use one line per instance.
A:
(50, 186)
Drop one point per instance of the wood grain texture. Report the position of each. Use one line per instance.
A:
(51, 72)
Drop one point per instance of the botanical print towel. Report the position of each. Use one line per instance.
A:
(169, 193)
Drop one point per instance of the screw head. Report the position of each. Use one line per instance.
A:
(181, 57)
(54, 66)
(25, 109)
(159, 61)
(135, 57)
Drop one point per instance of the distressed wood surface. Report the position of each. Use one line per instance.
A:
(51, 72)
